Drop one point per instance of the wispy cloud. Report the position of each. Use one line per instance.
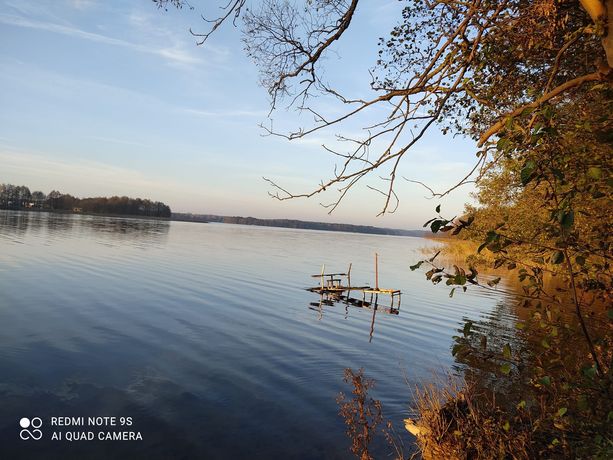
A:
(225, 113)
(177, 55)
(77, 173)
(82, 4)
(149, 26)
(113, 140)
(32, 9)
(174, 54)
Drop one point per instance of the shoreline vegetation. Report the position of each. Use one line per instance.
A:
(296, 224)
(19, 198)
(526, 390)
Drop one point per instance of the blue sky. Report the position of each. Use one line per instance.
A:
(101, 98)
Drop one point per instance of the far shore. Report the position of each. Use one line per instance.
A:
(273, 223)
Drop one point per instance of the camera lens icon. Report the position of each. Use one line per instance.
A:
(30, 428)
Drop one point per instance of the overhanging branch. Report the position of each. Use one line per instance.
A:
(575, 82)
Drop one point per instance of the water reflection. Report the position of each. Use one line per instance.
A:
(16, 224)
(334, 298)
(509, 349)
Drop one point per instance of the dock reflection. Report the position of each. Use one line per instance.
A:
(334, 298)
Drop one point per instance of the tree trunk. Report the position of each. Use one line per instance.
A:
(607, 40)
(601, 11)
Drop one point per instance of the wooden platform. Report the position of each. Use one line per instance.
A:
(331, 299)
(339, 289)
(332, 284)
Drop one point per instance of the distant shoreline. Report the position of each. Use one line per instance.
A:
(295, 224)
(273, 223)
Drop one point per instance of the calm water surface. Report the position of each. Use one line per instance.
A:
(205, 336)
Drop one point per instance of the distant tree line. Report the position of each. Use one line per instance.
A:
(289, 223)
(20, 197)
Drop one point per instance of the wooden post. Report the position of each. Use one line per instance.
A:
(376, 271)
(323, 267)
(349, 277)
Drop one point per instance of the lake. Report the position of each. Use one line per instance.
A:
(204, 335)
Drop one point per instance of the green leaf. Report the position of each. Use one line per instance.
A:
(548, 112)
(562, 411)
(610, 314)
(506, 426)
(545, 380)
(567, 219)
(505, 368)
(506, 351)
(537, 128)
(594, 173)
(545, 344)
(598, 439)
(521, 405)
(467, 327)
(589, 372)
(451, 293)
(520, 325)
(527, 172)
(429, 222)
(436, 225)
(580, 260)
(456, 348)
(491, 236)
(438, 208)
(493, 282)
(557, 258)
(416, 266)
(503, 143)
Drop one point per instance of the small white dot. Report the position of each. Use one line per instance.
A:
(24, 422)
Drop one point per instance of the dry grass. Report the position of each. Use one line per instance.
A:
(458, 252)
(457, 424)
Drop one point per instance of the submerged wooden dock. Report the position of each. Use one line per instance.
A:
(332, 284)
